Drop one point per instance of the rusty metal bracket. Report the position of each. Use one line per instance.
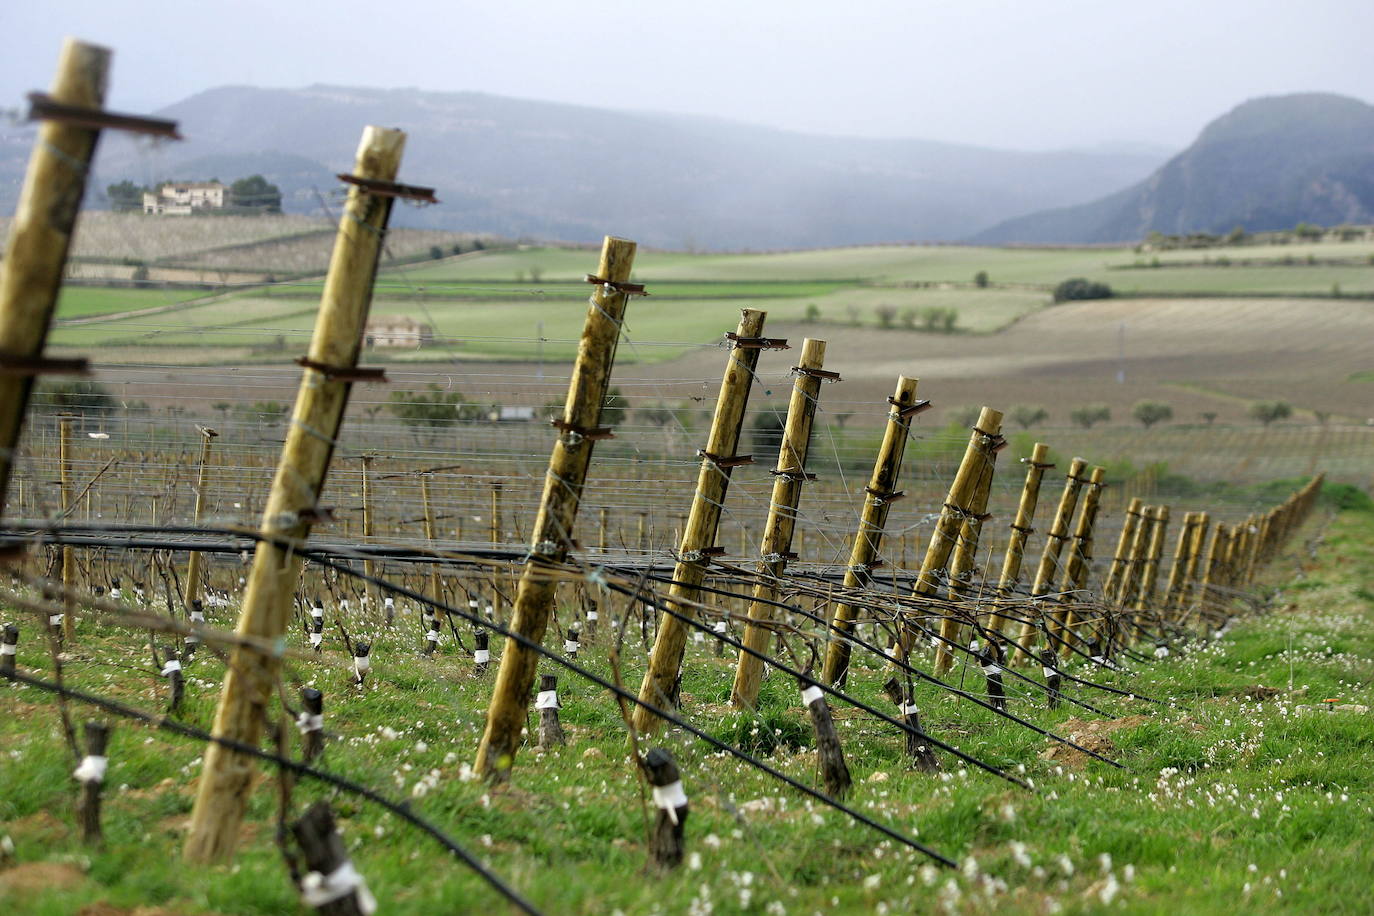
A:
(793, 475)
(592, 434)
(345, 373)
(1040, 465)
(381, 188)
(967, 515)
(909, 410)
(43, 107)
(881, 498)
(1022, 528)
(632, 289)
(722, 462)
(824, 375)
(42, 365)
(757, 343)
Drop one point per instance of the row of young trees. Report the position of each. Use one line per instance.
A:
(1146, 413)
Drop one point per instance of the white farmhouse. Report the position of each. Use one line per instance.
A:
(184, 198)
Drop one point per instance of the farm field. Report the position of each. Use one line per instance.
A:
(1239, 794)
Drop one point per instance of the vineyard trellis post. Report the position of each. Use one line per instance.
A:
(196, 561)
(698, 544)
(292, 503)
(1149, 574)
(551, 538)
(1074, 576)
(879, 495)
(1049, 556)
(776, 544)
(64, 426)
(964, 558)
(1021, 529)
(40, 236)
(984, 439)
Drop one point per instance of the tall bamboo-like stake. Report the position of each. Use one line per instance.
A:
(1021, 530)
(1075, 575)
(1049, 557)
(68, 552)
(699, 533)
(1179, 570)
(251, 679)
(776, 544)
(369, 528)
(879, 495)
(435, 589)
(552, 536)
(40, 235)
(1121, 559)
(984, 441)
(1149, 574)
(195, 563)
(964, 560)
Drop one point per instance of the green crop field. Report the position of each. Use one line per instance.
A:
(88, 301)
(1239, 794)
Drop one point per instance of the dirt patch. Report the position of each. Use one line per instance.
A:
(41, 827)
(32, 877)
(1090, 735)
(105, 909)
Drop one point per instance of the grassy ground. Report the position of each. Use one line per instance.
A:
(1227, 803)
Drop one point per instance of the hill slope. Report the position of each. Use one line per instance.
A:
(1269, 164)
(517, 167)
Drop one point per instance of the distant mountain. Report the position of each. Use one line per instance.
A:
(1269, 164)
(525, 168)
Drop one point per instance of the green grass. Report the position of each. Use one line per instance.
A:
(1225, 804)
(86, 301)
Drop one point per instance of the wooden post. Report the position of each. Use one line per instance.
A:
(68, 552)
(251, 678)
(698, 543)
(1179, 569)
(1075, 573)
(1190, 573)
(983, 442)
(196, 561)
(495, 520)
(775, 547)
(603, 530)
(1021, 529)
(553, 529)
(1125, 547)
(865, 549)
(1149, 574)
(965, 556)
(435, 585)
(41, 233)
(1049, 557)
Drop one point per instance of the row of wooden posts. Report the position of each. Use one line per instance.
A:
(28, 290)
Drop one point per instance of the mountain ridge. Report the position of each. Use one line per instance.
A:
(528, 168)
(1267, 164)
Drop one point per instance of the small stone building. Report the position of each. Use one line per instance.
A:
(397, 331)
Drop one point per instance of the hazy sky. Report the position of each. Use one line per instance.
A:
(1031, 75)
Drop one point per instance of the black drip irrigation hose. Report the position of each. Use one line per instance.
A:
(649, 707)
(301, 769)
(876, 650)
